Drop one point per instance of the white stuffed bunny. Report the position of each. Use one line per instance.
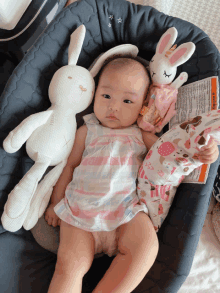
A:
(50, 134)
(159, 106)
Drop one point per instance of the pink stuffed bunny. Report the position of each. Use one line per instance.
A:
(159, 106)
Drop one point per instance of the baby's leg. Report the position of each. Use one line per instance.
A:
(138, 247)
(74, 258)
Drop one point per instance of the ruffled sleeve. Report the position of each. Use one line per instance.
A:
(90, 119)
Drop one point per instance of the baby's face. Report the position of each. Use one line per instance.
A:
(120, 94)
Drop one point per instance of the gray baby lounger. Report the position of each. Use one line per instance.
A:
(24, 265)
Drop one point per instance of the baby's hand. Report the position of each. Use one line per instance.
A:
(51, 217)
(209, 153)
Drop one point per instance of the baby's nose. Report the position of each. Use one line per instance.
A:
(114, 106)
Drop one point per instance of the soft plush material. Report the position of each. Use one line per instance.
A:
(159, 107)
(49, 137)
(170, 159)
(108, 23)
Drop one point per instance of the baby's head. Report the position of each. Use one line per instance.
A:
(122, 88)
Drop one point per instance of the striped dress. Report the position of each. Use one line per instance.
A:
(102, 194)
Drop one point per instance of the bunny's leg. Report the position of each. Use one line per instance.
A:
(23, 131)
(42, 195)
(18, 203)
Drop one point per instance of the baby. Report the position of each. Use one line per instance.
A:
(95, 199)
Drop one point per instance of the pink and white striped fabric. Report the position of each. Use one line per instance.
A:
(102, 194)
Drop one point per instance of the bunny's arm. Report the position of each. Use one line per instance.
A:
(23, 131)
(179, 81)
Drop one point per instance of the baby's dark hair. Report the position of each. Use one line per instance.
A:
(114, 57)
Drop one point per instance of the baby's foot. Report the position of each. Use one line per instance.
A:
(51, 217)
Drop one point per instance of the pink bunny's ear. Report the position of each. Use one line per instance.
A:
(181, 54)
(166, 41)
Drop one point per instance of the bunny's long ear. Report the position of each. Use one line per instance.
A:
(121, 50)
(182, 54)
(166, 41)
(75, 46)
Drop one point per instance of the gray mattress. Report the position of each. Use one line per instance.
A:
(24, 265)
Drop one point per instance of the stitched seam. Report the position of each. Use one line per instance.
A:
(99, 21)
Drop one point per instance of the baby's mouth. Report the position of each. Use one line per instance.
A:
(112, 117)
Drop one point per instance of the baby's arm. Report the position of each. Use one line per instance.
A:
(148, 138)
(65, 178)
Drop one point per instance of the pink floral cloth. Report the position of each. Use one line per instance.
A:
(159, 107)
(102, 194)
(164, 95)
(170, 159)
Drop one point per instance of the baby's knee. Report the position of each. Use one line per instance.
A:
(70, 263)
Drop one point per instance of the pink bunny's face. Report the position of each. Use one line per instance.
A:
(163, 65)
(161, 71)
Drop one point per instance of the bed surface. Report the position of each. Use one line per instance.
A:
(204, 275)
(23, 260)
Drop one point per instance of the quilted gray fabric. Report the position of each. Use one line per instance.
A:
(108, 23)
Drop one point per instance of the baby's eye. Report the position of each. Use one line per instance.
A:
(128, 101)
(152, 60)
(106, 96)
(166, 75)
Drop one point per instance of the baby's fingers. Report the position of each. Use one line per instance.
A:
(211, 144)
(208, 159)
(209, 151)
(49, 220)
(55, 222)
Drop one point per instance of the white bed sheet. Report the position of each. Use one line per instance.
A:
(204, 275)
(204, 14)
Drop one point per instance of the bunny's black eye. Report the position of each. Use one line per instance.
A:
(167, 75)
